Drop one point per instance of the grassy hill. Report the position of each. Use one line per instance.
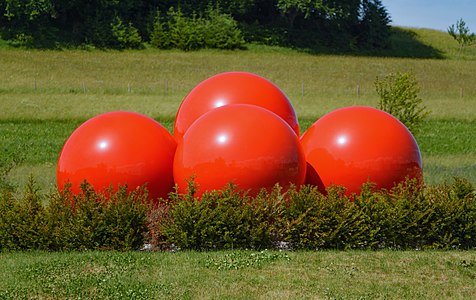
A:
(427, 43)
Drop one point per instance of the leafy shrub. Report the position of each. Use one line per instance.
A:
(9, 159)
(399, 97)
(316, 221)
(222, 220)
(22, 223)
(184, 33)
(177, 31)
(395, 219)
(159, 36)
(127, 36)
(461, 33)
(215, 30)
(408, 216)
(73, 222)
(23, 40)
(221, 31)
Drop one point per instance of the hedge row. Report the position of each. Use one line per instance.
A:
(406, 217)
(73, 222)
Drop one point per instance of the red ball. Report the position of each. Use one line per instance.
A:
(233, 88)
(243, 144)
(353, 145)
(119, 148)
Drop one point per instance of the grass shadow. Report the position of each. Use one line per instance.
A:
(404, 43)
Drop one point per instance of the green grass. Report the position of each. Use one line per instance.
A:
(447, 147)
(426, 43)
(44, 95)
(239, 275)
(80, 84)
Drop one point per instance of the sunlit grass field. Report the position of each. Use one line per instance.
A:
(80, 84)
(239, 275)
(45, 95)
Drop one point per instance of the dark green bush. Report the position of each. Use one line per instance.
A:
(224, 220)
(73, 222)
(126, 36)
(221, 31)
(214, 30)
(22, 222)
(159, 36)
(408, 216)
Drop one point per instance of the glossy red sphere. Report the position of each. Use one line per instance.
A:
(353, 145)
(243, 144)
(119, 148)
(233, 88)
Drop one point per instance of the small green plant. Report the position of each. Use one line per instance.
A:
(462, 34)
(399, 97)
(8, 160)
(126, 36)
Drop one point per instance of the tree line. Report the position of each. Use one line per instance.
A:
(332, 24)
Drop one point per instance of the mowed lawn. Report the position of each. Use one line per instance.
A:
(239, 275)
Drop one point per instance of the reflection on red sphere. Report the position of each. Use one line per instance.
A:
(119, 148)
(353, 145)
(233, 88)
(243, 144)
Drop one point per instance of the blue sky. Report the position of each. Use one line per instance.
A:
(436, 14)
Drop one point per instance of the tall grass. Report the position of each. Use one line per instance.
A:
(79, 84)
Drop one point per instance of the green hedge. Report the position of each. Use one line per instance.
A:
(73, 222)
(407, 217)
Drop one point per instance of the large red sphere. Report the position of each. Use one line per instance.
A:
(233, 88)
(119, 148)
(243, 144)
(353, 145)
